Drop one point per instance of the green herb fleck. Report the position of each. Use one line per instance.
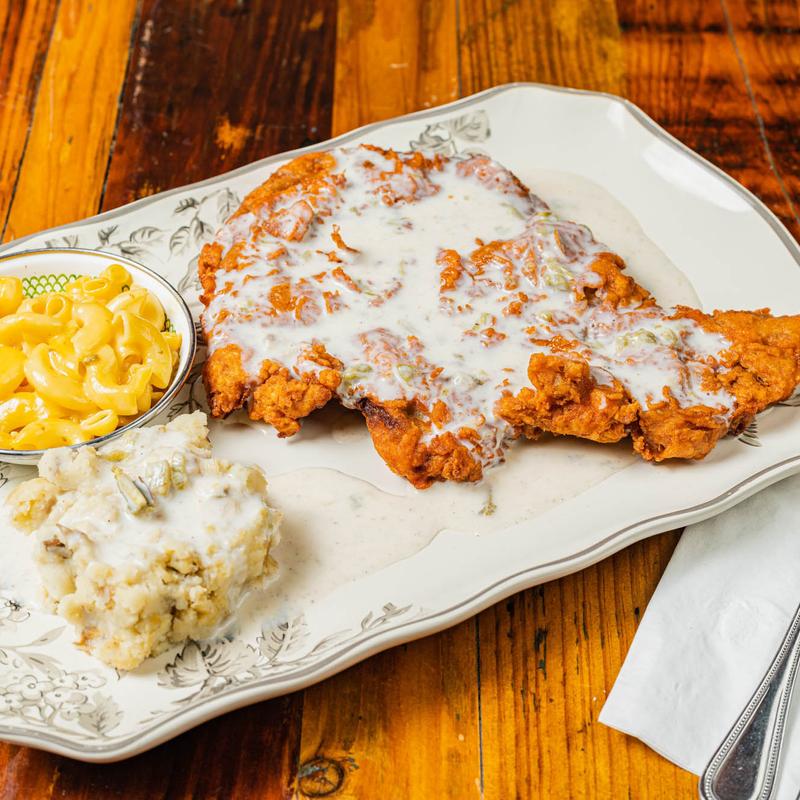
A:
(406, 372)
(489, 507)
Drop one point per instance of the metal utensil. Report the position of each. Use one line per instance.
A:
(746, 763)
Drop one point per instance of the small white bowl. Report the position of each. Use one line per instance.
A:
(54, 267)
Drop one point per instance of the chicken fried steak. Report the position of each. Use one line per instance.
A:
(456, 312)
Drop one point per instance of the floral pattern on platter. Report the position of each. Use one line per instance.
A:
(749, 435)
(208, 668)
(196, 218)
(35, 689)
(12, 474)
(38, 691)
(455, 136)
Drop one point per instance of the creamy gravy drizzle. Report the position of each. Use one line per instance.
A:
(96, 514)
(341, 524)
(381, 310)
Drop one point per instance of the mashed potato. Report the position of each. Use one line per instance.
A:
(147, 541)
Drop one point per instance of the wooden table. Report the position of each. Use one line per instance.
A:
(105, 101)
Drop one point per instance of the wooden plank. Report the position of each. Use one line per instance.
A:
(401, 715)
(61, 179)
(405, 721)
(548, 658)
(392, 58)
(213, 86)
(765, 36)
(267, 87)
(212, 761)
(573, 43)
(25, 30)
(73, 125)
(256, 80)
(185, 114)
(675, 60)
(683, 69)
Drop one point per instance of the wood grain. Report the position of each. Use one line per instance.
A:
(76, 110)
(213, 86)
(549, 656)
(153, 94)
(403, 720)
(185, 116)
(573, 43)
(764, 35)
(249, 80)
(684, 70)
(392, 58)
(25, 31)
(216, 760)
(407, 720)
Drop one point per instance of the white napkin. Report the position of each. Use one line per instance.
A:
(711, 631)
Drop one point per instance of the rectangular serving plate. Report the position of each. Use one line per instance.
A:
(706, 223)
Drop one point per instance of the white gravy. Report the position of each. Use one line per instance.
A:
(346, 515)
(366, 279)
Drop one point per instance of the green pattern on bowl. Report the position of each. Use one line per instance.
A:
(34, 285)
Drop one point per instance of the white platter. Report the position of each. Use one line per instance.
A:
(731, 248)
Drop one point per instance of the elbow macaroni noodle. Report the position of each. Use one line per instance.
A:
(78, 363)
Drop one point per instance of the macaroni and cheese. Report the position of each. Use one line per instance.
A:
(77, 364)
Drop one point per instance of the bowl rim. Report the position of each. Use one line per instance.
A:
(178, 380)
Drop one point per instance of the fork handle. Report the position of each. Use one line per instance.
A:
(745, 765)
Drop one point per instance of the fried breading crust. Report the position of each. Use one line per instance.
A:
(227, 384)
(396, 432)
(761, 367)
(303, 173)
(567, 401)
(282, 400)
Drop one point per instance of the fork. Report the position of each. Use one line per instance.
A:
(746, 763)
